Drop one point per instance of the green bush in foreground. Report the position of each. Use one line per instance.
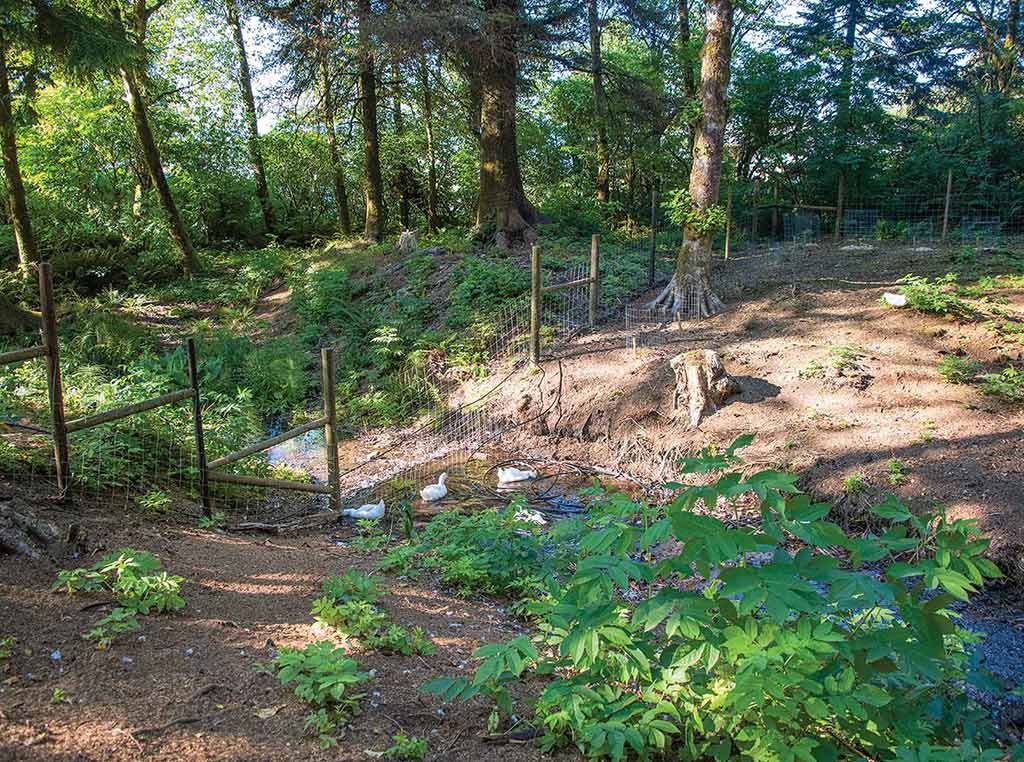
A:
(765, 654)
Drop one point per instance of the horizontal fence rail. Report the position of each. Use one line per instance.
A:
(108, 416)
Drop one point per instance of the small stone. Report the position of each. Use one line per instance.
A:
(189, 651)
(127, 660)
(55, 656)
(440, 712)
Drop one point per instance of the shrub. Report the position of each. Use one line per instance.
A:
(958, 370)
(406, 747)
(323, 677)
(481, 286)
(1008, 384)
(780, 650)
(939, 296)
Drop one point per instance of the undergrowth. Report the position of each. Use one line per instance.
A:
(769, 643)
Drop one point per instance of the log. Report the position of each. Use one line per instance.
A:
(701, 378)
(23, 534)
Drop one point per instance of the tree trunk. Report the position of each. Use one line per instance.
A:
(689, 290)
(373, 184)
(151, 155)
(600, 103)
(23, 236)
(684, 40)
(702, 381)
(327, 108)
(428, 118)
(405, 182)
(502, 203)
(249, 105)
(844, 96)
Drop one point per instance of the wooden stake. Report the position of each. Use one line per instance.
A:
(595, 278)
(728, 221)
(53, 378)
(197, 425)
(535, 301)
(945, 211)
(330, 429)
(840, 201)
(654, 237)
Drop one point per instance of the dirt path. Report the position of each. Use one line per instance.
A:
(246, 596)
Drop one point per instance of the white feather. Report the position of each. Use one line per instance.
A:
(511, 475)
(368, 511)
(434, 492)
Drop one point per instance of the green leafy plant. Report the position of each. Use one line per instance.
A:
(323, 676)
(855, 484)
(215, 520)
(371, 537)
(138, 583)
(7, 644)
(897, 472)
(155, 501)
(60, 696)
(939, 296)
(780, 647)
(958, 370)
(1008, 384)
(406, 747)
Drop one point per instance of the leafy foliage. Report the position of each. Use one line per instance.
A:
(939, 296)
(749, 649)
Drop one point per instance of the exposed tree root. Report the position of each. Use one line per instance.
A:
(691, 300)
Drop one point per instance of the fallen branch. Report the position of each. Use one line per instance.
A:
(166, 726)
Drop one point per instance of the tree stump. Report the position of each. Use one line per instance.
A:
(23, 534)
(702, 380)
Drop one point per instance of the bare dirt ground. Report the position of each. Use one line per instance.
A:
(186, 685)
(955, 444)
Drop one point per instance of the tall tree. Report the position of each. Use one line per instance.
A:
(15, 187)
(690, 286)
(327, 117)
(373, 182)
(249, 107)
(135, 28)
(428, 123)
(502, 202)
(405, 182)
(600, 102)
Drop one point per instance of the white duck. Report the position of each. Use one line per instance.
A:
(372, 511)
(434, 492)
(512, 475)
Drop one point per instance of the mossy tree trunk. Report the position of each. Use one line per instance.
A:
(600, 103)
(337, 171)
(428, 119)
(15, 187)
(249, 107)
(502, 204)
(373, 183)
(689, 289)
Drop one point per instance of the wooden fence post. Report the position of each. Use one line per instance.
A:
(654, 237)
(330, 429)
(840, 202)
(53, 378)
(945, 211)
(728, 221)
(535, 301)
(197, 424)
(595, 278)
(754, 211)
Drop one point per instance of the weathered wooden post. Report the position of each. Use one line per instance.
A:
(197, 426)
(728, 221)
(595, 278)
(53, 378)
(754, 210)
(945, 211)
(840, 201)
(654, 237)
(327, 374)
(535, 301)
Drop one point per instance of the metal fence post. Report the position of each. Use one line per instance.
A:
(840, 201)
(595, 278)
(535, 302)
(654, 236)
(330, 428)
(945, 211)
(197, 424)
(53, 378)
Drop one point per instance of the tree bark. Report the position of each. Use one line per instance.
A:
(690, 288)
(600, 102)
(373, 184)
(151, 155)
(502, 204)
(684, 39)
(249, 106)
(327, 115)
(844, 96)
(22, 223)
(405, 182)
(428, 118)
(702, 381)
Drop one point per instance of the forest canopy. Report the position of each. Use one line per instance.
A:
(135, 133)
